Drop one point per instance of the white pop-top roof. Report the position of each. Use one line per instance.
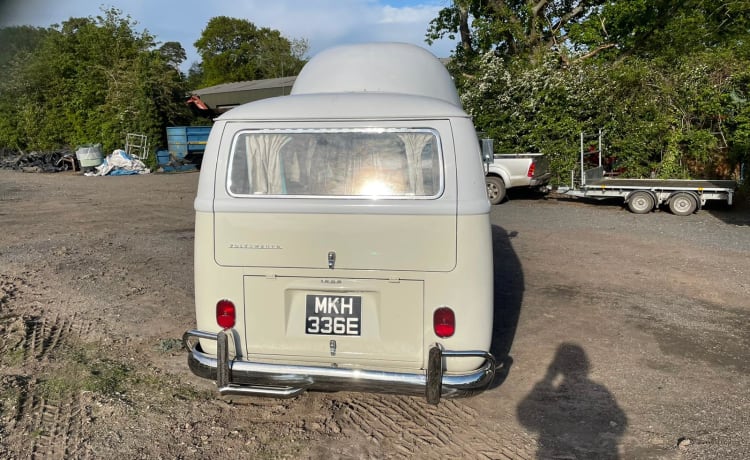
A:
(377, 67)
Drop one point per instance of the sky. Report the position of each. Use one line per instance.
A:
(324, 23)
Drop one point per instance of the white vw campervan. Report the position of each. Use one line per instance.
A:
(342, 235)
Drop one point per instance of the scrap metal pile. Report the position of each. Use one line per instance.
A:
(38, 162)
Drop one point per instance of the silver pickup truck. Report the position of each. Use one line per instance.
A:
(514, 170)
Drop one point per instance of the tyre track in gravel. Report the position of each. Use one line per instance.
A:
(413, 428)
(48, 426)
(55, 427)
(44, 335)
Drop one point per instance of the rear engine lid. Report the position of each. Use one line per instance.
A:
(341, 321)
(340, 241)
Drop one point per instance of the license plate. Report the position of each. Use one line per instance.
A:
(333, 315)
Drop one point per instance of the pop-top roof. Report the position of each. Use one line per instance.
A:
(399, 68)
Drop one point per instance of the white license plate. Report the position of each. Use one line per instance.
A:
(333, 315)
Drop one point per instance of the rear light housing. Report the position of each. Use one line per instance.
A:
(444, 322)
(226, 314)
(532, 168)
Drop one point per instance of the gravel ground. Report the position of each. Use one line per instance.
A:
(658, 303)
(623, 336)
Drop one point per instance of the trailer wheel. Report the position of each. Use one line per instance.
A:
(495, 189)
(682, 204)
(640, 202)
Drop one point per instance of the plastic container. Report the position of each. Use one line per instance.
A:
(89, 155)
(162, 157)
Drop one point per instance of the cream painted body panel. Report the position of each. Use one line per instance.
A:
(397, 335)
(389, 331)
(360, 241)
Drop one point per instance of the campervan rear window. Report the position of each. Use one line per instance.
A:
(389, 163)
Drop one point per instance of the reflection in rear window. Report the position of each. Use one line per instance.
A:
(336, 163)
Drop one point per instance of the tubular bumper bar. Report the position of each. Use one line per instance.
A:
(246, 378)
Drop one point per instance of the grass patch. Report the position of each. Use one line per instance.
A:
(77, 367)
(83, 369)
(11, 388)
(169, 387)
(13, 357)
(12, 335)
(170, 345)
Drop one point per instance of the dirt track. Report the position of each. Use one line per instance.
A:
(627, 336)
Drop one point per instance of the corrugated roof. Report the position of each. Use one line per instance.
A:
(251, 85)
(345, 106)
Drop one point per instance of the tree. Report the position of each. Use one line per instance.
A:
(17, 41)
(236, 50)
(92, 80)
(665, 29)
(666, 79)
(195, 76)
(513, 28)
(18, 44)
(173, 54)
(582, 29)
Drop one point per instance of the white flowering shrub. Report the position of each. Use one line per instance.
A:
(669, 121)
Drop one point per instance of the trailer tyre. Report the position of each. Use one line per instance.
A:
(495, 189)
(640, 202)
(682, 204)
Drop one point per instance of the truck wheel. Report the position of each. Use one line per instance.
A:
(495, 189)
(682, 204)
(640, 202)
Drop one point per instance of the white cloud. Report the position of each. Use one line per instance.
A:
(324, 23)
(422, 14)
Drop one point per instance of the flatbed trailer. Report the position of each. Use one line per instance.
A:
(684, 197)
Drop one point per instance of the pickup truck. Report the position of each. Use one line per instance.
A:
(342, 236)
(505, 171)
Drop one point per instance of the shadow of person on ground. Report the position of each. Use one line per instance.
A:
(508, 288)
(574, 416)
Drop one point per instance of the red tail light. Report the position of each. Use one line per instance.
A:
(531, 170)
(444, 322)
(225, 314)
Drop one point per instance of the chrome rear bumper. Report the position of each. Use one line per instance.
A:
(237, 377)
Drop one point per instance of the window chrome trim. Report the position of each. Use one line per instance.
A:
(362, 130)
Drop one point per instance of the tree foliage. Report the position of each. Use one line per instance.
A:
(18, 42)
(89, 80)
(234, 49)
(667, 80)
(580, 29)
(95, 79)
(528, 28)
